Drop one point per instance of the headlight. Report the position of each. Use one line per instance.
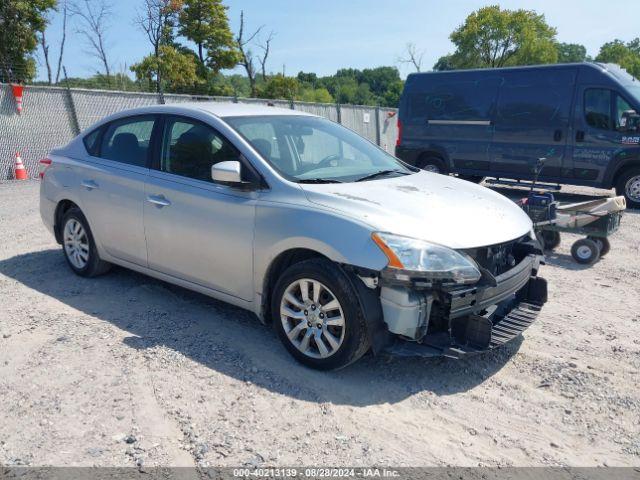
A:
(425, 260)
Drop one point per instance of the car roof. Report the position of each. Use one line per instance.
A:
(219, 109)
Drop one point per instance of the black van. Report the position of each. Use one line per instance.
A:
(496, 122)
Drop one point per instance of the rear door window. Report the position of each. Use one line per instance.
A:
(128, 140)
(597, 108)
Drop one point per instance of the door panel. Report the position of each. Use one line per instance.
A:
(112, 199)
(198, 230)
(204, 234)
(532, 121)
(597, 139)
(112, 186)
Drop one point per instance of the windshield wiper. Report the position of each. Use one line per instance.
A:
(380, 174)
(319, 180)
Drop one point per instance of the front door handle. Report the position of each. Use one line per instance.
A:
(158, 200)
(89, 184)
(580, 136)
(557, 135)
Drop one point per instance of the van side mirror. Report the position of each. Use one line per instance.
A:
(227, 173)
(630, 121)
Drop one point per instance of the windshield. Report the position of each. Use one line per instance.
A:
(312, 149)
(635, 92)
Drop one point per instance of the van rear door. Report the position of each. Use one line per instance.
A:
(532, 121)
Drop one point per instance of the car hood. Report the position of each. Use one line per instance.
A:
(436, 208)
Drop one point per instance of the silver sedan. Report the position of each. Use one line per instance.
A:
(339, 245)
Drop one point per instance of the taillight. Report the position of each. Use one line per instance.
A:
(399, 133)
(43, 165)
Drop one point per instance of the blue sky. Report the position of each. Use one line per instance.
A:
(323, 36)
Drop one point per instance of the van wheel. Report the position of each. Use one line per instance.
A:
(317, 315)
(79, 247)
(629, 185)
(432, 164)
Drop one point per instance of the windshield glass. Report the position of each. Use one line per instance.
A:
(312, 149)
(635, 92)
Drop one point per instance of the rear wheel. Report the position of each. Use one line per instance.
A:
(79, 246)
(603, 244)
(628, 184)
(432, 164)
(317, 315)
(585, 251)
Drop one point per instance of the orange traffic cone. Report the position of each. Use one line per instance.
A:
(17, 94)
(21, 172)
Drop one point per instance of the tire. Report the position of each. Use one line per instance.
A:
(347, 343)
(585, 251)
(603, 244)
(77, 237)
(628, 185)
(433, 164)
(550, 239)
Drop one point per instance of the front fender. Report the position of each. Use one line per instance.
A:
(623, 159)
(281, 227)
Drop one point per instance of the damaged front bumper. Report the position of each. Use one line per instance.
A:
(456, 321)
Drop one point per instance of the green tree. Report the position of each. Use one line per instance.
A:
(178, 70)
(20, 20)
(279, 86)
(627, 55)
(318, 95)
(205, 22)
(571, 53)
(492, 37)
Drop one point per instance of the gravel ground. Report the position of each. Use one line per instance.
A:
(124, 370)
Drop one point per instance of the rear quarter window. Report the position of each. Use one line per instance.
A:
(91, 142)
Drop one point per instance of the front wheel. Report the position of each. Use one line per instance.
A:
(603, 244)
(629, 185)
(317, 315)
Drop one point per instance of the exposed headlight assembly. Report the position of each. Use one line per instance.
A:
(412, 258)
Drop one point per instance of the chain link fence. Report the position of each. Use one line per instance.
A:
(52, 116)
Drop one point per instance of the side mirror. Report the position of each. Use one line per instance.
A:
(227, 173)
(629, 121)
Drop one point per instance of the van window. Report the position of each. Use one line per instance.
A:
(456, 100)
(597, 108)
(127, 140)
(621, 106)
(535, 105)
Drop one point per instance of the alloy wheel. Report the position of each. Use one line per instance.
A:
(312, 318)
(76, 243)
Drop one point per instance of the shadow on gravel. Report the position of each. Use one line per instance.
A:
(233, 342)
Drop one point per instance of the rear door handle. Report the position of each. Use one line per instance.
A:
(158, 200)
(557, 135)
(89, 184)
